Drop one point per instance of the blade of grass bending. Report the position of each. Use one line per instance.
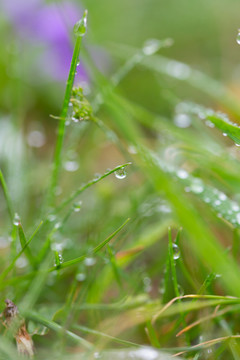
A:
(87, 185)
(67, 263)
(79, 30)
(57, 328)
(10, 267)
(94, 251)
(7, 197)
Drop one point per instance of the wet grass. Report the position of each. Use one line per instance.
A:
(145, 253)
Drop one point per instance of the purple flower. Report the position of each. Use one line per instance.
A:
(47, 26)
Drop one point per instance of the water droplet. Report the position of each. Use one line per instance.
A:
(36, 139)
(180, 290)
(80, 277)
(182, 174)
(222, 196)
(78, 63)
(238, 37)
(151, 46)
(77, 206)
(80, 27)
(132, 150)
(176, 251)
(207, 200)
(178, 70)
(238, 218)
(21, 262)
(121, 173)
(90, 261)
(70, 104)
(71, 166)
(57, 225)
(16, 220)
(224, 134)
(58, 259)
(182, 120)
(147, 284)
(51, 217)
(209, 123)
(197, 187)
(57, 246)
(187, 189)
(237, 144)
(235, 207)
(217, 202)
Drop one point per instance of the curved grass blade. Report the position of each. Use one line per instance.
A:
(58, 329)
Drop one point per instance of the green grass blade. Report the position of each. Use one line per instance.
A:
(61, 128)
(7, 197)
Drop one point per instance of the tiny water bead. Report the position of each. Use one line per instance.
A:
(77, 206)
(238, 37)
(120, 173)
(176, 251)
(16, 220)
(150, 47)
(80, 27)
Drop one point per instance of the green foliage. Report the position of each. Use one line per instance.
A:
(93, 264)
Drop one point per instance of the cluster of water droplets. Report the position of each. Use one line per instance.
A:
(217, 200)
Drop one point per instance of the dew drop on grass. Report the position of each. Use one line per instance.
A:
(71, 166)
(36, 139)
(197, 188)
(235, 207)
(224, 134)
(151, 46)
(21, 262)
(90, 261)
(52, 217)
(222, 196)
(238, 37)
(80, 277)
(16, 220)
(182, 120)
(209, 123)
(120, 174)
(176, 251)
(237, 144)
(217, 202)
(77, 206)
(238, 218)
(182, 174)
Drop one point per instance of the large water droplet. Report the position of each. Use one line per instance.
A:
(238, 37)
(176, 251)
(80, 27)
(121, 173)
